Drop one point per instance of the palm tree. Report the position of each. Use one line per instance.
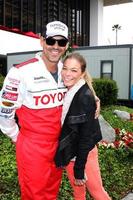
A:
(115, 28)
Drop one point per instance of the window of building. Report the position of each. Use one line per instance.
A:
(31, 15)
(28, 16)
(8, 15)
(107, 69)
(63, 11)
(1, 12)
(15, 16)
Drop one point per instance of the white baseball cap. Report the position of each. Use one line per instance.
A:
(56, 28)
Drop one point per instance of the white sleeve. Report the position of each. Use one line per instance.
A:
(11, 97)
(9, 127)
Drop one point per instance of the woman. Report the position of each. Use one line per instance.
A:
(80, 131)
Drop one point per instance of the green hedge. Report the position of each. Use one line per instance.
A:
(106, 90)
(9, 189)
(116, 169)
(1, 81)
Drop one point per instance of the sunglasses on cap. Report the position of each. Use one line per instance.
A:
(51, 41)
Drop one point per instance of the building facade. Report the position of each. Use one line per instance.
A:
(33, 15)
(114, 62)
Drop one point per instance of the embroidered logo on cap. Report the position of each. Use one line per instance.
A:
(56, 28)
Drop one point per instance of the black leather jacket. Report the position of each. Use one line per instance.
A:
(80, 132)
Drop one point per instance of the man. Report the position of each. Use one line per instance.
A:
(34, 91)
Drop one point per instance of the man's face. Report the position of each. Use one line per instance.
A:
(54, 48)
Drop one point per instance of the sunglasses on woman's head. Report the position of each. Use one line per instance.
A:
(61, 42)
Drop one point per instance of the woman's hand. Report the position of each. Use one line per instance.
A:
(79, 182)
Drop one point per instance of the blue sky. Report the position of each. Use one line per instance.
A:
(121, 14)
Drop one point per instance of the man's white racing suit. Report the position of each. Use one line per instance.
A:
(30, 91)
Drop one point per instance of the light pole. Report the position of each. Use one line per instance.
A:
(115, 28)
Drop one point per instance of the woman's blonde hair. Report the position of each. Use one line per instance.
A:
(81, 60)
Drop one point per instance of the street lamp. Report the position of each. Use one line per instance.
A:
(115, 28)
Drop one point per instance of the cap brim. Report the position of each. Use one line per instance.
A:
(56, 35)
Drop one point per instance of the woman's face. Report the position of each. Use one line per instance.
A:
(71, 72)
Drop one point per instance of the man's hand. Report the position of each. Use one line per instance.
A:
(97, 112)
